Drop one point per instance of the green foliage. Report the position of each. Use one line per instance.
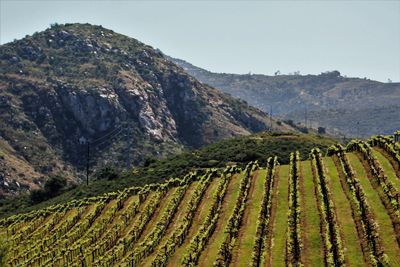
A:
(239, 150)
(55, 184)
(108, 173)
(293, 233)
(225, 251)
(200, 239)
(334, 254)
(181, 232)
(112, 229)
(361, 210)
(53, 187)
(3, 252)
(264, 217)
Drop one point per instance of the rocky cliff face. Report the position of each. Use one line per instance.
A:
(76, 83)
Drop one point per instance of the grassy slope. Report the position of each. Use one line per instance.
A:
(128, 204)
(177, 220)
(313, 245)
(353, 251)
(104, 215)
(247, 234)
(209, 255)
(280, 223)
(142, 207)
(197, 222)
(313, 255)
(381, 216)
(390, 158)
(157, 215)
(388, 168)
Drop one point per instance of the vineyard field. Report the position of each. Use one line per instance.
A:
(340, 208)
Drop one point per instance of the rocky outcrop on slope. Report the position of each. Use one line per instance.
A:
(75, 83)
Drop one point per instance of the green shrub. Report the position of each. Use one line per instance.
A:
(108, 173)
(3, 252)
(53, 187)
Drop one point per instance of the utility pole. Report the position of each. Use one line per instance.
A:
(129, 146)
(270, 118)
(87, 162)
(305, 117)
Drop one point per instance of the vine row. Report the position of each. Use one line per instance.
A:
(361, 210)
(224, 255)
(334, 255)
(293, 233)
(199, 241)
(263, 221)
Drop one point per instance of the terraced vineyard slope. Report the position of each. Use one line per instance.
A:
(338, 209)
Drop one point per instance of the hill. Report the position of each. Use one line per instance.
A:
(75, 84)
(332, 101)
(238, 150)
(335, 210)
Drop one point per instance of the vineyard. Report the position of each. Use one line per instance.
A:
(339, 208)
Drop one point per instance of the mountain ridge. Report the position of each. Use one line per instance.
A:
(79, 82)
(322, 97)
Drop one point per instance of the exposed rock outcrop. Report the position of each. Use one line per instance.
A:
(76, 83)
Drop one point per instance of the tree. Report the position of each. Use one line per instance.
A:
(109, 173)
(321, 130)
(290, 122)
(53, 187)
(55, 184)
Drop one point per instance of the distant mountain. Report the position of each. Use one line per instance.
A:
(352, 106)
(75, 83)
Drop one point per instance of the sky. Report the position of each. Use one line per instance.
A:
(358, 38)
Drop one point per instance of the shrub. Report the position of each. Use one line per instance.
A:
(53, 187)
(55, 184)
(109, 173)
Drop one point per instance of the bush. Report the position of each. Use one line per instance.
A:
(290, 122)
(303, 129)
(55, 184)
(321, 130)
(149, 161)
(38, 196)
(53, 187)
(109, 173)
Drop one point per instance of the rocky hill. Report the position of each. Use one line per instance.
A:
(353, 106)
(78, 83)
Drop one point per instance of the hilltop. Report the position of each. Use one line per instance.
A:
(77, 83)
(332, 100)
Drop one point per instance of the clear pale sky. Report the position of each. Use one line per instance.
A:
(358, 38)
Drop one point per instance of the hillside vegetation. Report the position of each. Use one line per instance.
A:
(338, 209)
(332, 100)
(239, 150)
(75, 84)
